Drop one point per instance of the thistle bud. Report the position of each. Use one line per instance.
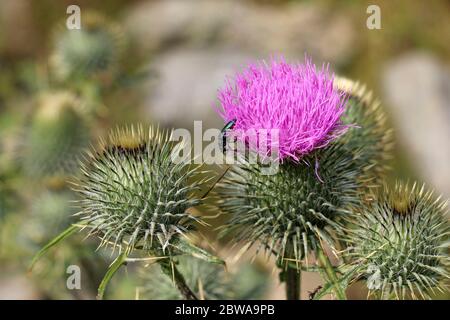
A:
(329, 140)
(56, 136)
(399, 242)
(134, 195)
(92, 51)
(370, 134)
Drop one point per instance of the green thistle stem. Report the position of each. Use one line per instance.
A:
(330, 273)
(291, 275)
(293, 279)
(169, 269)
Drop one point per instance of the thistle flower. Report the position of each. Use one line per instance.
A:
(56, 136)
(134, 195)
(399, 243)
(297, 99)
(92, 51)
(291, 212)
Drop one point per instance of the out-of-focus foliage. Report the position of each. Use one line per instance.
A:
(55, 139)
(208, 281)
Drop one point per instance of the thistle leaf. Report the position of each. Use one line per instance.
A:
(63, 235)
(192, 250)
(342, 282)
(330, 274)
(113, 268)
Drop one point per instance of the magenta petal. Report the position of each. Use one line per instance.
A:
(297, 99)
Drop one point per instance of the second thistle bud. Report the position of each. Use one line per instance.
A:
(92, 51)
(399, 243)
(133, 195)
(54, 139)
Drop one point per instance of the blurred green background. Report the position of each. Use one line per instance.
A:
(161, 61)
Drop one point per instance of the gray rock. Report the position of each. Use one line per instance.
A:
(186, 86)
(290, 29)
(16, 287)
(195, 44)
(417, 88)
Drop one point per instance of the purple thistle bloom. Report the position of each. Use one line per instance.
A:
(297, 99)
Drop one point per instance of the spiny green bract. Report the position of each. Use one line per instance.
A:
(370, 132)
(134, 195)
(289, 213)
(56, 136)
(400, 242)
(93, 50)
(290, 210)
